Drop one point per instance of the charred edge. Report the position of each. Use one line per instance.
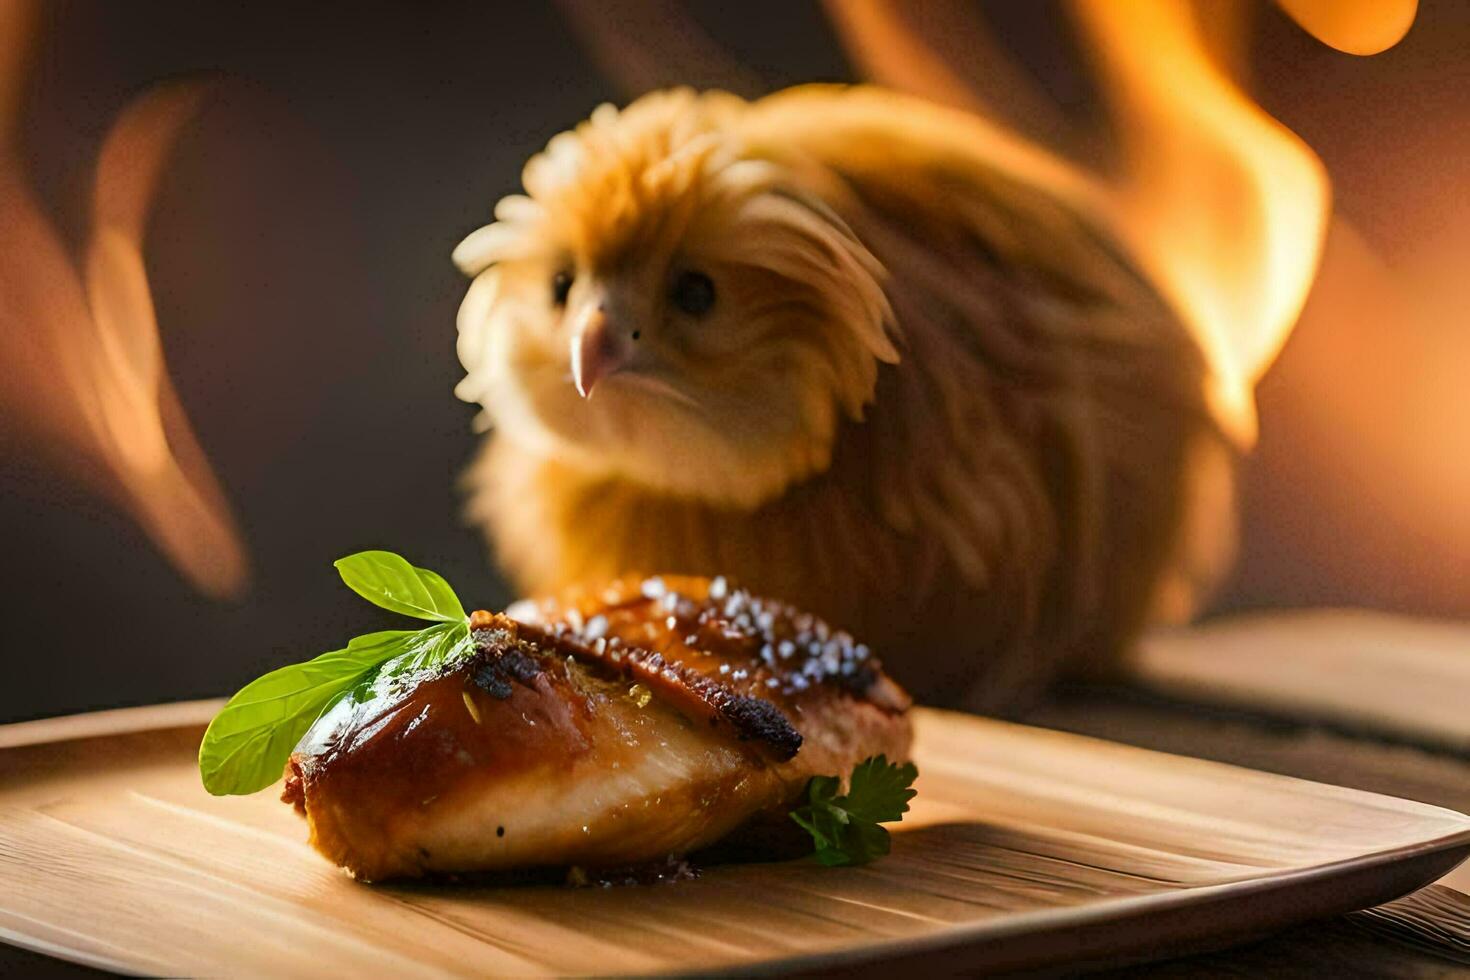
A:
(758, 719)
(753, 718)
(502, 658)
(756, 619)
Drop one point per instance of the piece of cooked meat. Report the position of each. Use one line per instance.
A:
(614, 728)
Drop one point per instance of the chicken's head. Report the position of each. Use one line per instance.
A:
(672, 306)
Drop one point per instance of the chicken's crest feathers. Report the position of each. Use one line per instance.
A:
(668, 182)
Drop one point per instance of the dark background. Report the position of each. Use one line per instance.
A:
(299, 257)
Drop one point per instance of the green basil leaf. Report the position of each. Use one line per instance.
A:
(431, 647)
(388, 580)
(248, 743)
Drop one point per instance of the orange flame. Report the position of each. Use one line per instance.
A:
(85, 369)
(1224, 207)
(1355, 26)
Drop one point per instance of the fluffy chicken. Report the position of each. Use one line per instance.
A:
(861, 352)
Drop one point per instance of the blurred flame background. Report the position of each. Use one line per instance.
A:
(295, 319)
(86, 381)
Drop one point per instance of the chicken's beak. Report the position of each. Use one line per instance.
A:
(597, 351)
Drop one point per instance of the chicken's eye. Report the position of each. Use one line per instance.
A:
(561, 287)
(694, 293)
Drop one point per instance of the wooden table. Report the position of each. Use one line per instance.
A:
(1360, 945)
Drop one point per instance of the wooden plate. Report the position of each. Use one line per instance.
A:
(1025, 848)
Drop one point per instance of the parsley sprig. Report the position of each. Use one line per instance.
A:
(847, 829)
(247, 745)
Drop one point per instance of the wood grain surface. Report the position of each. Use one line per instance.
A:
(1363, 670)
(1025, 848)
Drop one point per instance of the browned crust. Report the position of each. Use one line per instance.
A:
(293, 791)
(753, 645)
(358, 775)
(715, 652)
(501, 659)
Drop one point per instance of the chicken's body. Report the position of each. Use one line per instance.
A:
(975, 435)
